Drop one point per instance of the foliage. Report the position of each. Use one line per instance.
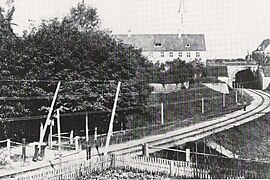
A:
(177, 71)
(87, 60)
(261, 58)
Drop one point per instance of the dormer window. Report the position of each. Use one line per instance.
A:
(187, 45)
(157, 44)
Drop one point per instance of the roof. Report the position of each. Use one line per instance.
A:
(169, 42)
(263, 45)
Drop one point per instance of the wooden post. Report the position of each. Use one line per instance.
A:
(112, 119)
(242, 91)
(236, 98)
(171, 168)
(77, 148)
(224, 104)
(59, 135)
(196, 148)
(88, 148)
(71, 137)
(95, 134)
(40, 135)
(145, 149)
(188, 155)
(23, 150)
(50, 113)
(202, 105)
(8, 149)
(162, 114)
(86, 128)
(51, 133)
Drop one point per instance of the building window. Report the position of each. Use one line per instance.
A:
(171, 54)
(157, 44)
(162, 54)
(198, 54)
(188, 54)
(180, 54)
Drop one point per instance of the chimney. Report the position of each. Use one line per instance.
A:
(129, 33)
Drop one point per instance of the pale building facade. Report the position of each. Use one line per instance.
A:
(167, 47)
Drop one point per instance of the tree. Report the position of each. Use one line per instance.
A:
(179, 71)
(259, 57)
(87, 60)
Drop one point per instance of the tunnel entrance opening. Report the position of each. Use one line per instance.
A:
(248, 79)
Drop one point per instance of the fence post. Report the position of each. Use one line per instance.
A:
(88, 150)
(71, 137)
(40, 134)
(113, 161)
(77, 148)
(202, 105)
(23, 150)
(8, 149)
(145, 149)
(223, 94)
(171, 168)
(162, 114)
(188, 155)
(242, 91)
(95, 134)
(236, 98)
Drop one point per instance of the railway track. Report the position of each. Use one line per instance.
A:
(259, 107)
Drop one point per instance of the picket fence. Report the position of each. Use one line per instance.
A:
(181, 169)
(161, 166)
(178, 169)
(71, 170)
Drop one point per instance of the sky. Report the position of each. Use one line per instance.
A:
(232, 28)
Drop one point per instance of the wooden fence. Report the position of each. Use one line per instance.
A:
(182, 169)
(170, 168)
(160, 166)
(71, 170)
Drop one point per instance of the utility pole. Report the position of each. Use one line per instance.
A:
(112, 119)
(162, 114)
(88, 148)
(50, 113)
(86, 129)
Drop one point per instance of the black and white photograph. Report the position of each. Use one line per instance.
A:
(134, 89)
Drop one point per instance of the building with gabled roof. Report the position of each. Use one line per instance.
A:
(167, 47)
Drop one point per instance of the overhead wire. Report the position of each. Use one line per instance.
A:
(95, 112)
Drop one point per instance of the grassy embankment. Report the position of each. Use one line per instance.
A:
(181, 109)
(250, 140)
